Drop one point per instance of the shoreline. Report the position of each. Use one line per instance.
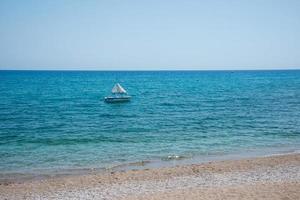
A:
(244, 177)
(167, 162)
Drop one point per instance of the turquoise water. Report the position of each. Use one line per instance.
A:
(57, 120)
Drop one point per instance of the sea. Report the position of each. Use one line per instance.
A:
(56, 122)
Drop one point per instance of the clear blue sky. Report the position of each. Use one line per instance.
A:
(149, 35)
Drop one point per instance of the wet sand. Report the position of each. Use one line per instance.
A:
(274, 177)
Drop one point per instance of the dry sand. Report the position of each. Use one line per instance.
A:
(275, 177)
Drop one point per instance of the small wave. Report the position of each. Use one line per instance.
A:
(297, 151)
(106, 115)
(171, 104)
(76, 141)
(174, 157)
(284, 153)
(131, 165)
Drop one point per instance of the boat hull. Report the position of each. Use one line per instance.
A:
(117, 99)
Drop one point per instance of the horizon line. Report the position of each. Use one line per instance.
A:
(112, 70)
(156, 70)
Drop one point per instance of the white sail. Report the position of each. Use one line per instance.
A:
(118, 89)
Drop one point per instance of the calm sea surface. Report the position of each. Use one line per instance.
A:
(57, 120)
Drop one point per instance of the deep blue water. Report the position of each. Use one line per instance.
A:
(57, 120)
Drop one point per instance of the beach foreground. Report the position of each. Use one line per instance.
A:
(274, 177)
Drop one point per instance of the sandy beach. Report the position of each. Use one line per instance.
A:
(274, 177)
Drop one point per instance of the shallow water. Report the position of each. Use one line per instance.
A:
(51, 121)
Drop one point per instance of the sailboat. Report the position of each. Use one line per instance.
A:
(119, 94)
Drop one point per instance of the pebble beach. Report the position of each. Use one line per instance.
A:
(273, 177)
